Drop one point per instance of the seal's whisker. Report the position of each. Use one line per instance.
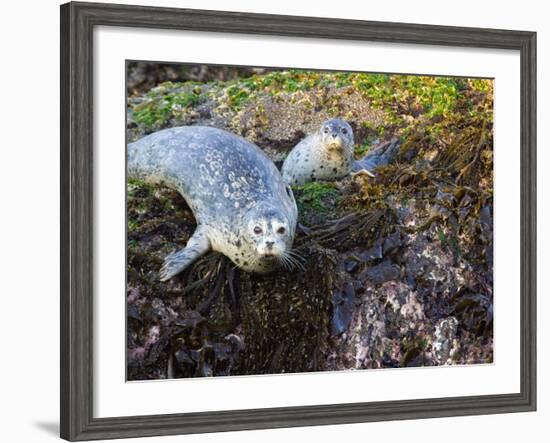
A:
(296, 255)
(300, 266)
(288, 266)
(294, 258)
(296, 263)
(286, 263)
(254, 261)
(291, 262)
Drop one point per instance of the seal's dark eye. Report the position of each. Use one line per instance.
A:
(281, 230)
(257, 230)
(344, 131)
(326, 131)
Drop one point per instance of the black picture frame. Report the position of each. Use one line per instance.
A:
(77, 23)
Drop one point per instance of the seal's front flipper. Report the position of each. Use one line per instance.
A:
(197, 246)
(362, 172)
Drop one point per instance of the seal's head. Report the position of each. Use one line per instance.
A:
(337, 134)
(269, 235)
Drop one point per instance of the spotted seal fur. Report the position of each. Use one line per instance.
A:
(242, 206)
(327, 154)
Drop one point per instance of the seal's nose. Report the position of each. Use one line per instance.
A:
(269, 244)
(334, 135)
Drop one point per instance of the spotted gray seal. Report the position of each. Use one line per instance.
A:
(242, 207)
(327, 154)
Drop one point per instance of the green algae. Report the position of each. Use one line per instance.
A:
(316, 196)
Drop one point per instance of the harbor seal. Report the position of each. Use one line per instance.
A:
(327, 154)
(243, 208)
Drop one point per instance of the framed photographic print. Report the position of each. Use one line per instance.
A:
(273, 221)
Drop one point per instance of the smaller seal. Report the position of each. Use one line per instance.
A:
(327, 154)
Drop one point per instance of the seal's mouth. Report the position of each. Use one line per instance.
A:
(336, 144)
(270, 256)
(269, 263)
(270, 250)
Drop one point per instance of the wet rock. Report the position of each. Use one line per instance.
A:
(236, 341)
(133, 295)
(412, 312)
(372, 254)
(396, 295)
(413, 358)
(488, 253)
(475, 312)
(444, 335)
(485, 216)
(183, 357)
(190, 319)
(389, 362)
(343, 306)
(133, 312)
(411, 280)
(204, 359)
(383, 272)
(391, 243)
(351, 265)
